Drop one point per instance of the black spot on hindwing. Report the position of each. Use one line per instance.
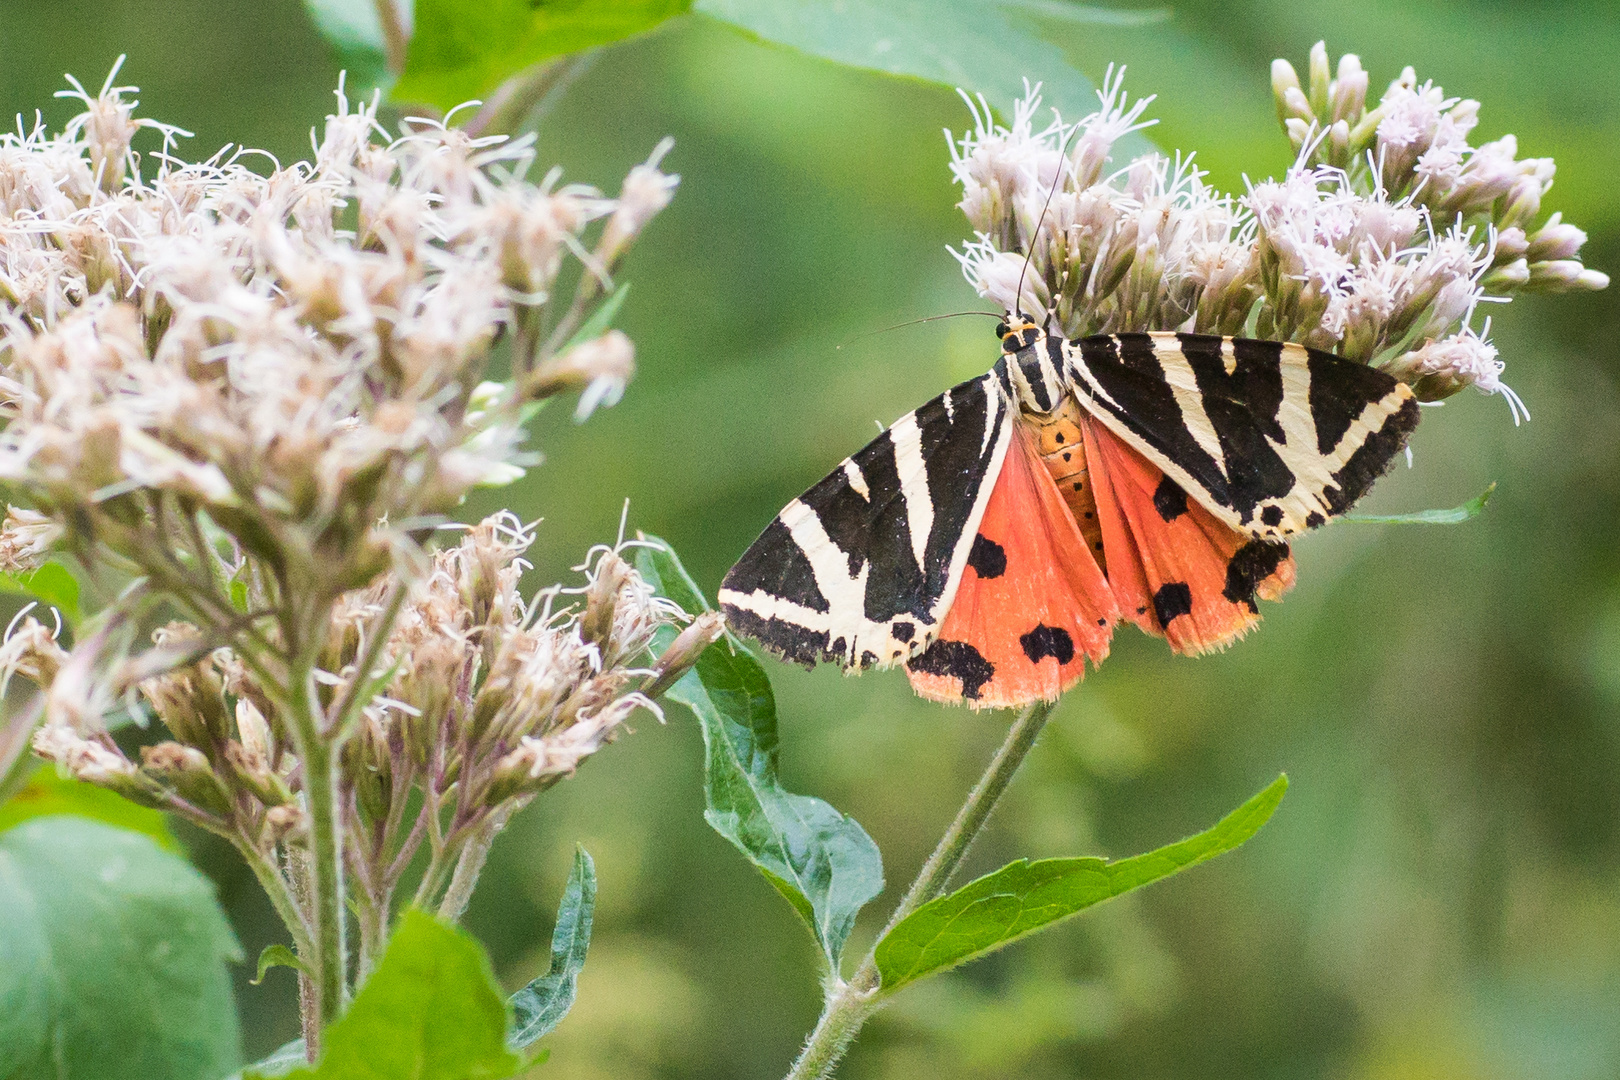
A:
(1173, 598)
(988, 558)
(1249, 566)
(1169, 500)
(957, 660)
(1044, 641)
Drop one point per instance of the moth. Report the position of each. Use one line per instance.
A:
(992, 539)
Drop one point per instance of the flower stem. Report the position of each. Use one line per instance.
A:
(325, 841)
(849, 1004)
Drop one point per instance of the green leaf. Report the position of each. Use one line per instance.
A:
(281, 1061)
(1455, 516)
(462, 51)
(820, 860)
(51, 584)
(352, 29)
(47, 793)
(276, 956)
(981, 46)
(431, 1011)
(1024, 896)
(112, 959)
(538, 1007)
(602, 318)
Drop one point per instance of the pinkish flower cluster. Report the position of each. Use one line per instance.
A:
(1379, 244)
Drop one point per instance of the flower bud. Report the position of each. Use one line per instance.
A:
(1554, 240)
(1320, 79)
(186, 770)
(1348, 94)
(286, 824)
(684, 651)
(1284, 79)
(599, 368)
(26, 539)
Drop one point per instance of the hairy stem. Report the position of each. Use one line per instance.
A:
(849, 1004)
(469, 865)
(279, 891)
(318, 758)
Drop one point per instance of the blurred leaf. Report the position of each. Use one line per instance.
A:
(820, 860)
(1455, 516)
(352, 29)
(464, 51)
(51, 584)
(48, 793)
(276, 956)
(602, 318)
(1024, 896)
(538, 1007)
(112, 958)
(981, 46)
(280, 1061)
(431, 1011)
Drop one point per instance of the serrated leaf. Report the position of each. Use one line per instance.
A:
(820, 860)
(431, 1011)
(113, 958)
(461, 51)
(276, 956)
(52, 584)
(47, 793)
(353, 31)
(1024, 896)
(981, 46)
(1455, 516)
(539, 1006)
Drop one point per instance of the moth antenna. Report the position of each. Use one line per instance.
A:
(1063, 150)
(914, 322)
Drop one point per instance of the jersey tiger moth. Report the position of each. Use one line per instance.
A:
(991, 539)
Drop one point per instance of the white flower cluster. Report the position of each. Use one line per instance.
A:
(299, 350)
(489, 699)
(1377, 245)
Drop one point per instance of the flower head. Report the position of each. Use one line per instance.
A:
(1378, 244)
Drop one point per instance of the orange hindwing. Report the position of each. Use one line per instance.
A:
(1032, 604)
(1175, 569)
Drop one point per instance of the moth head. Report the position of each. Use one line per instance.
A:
(1017, 331)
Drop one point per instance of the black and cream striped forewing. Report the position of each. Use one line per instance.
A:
(861, 568)
(1272, 438)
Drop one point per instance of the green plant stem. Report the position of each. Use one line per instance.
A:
(281, 895)
(326, 852)
(849, 1004)
(469, 866)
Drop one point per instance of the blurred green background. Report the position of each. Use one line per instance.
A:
(1438, 896)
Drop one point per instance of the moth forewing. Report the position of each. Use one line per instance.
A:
(1271, 438)
(861, 568)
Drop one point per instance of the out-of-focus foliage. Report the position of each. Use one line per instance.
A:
(47, 793)
(1440, 894)
(126, 951)
(431, 1011)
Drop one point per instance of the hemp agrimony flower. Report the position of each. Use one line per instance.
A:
(1378, 244)
(244, 402)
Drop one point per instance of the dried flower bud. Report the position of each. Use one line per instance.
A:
(286, 824)
(684, 651)
(26, 539)
(187, 771)
(599, 369)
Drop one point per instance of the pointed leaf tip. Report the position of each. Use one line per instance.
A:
(1024, 896)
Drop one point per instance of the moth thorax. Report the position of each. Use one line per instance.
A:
(1037, 375)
